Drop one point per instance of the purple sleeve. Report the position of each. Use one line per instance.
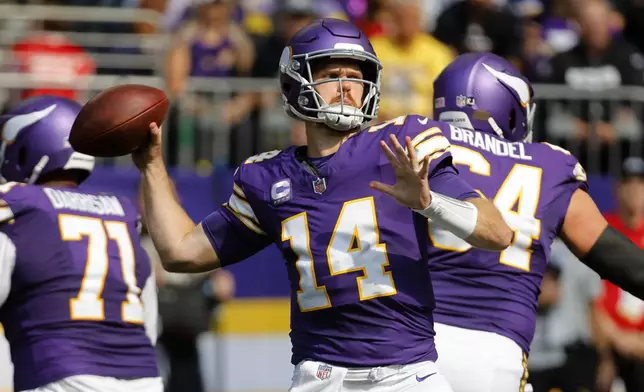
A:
(574, 178)
(234, 230)
(231, 238)
(446, 181)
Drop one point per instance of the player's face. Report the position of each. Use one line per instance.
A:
(331, 91)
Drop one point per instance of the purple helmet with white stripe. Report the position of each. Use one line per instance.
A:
(35, 140)
(484, 92)
(325, 39)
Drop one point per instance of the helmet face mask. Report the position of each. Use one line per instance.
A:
(484, 92)
(321, 41)
(35, 140)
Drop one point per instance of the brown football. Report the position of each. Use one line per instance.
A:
(117, 120)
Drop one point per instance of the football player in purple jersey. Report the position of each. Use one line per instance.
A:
(486, 301)
(73, 278)
(361, 294)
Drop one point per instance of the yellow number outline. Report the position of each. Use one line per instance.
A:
(478, 164)
(89, 299)
(316, 294)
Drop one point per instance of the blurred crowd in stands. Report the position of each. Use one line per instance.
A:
(591, 45)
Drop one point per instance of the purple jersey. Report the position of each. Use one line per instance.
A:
(361, 293)
(531, 184)
(77, 272)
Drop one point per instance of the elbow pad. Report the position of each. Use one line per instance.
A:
(617, 259)
(457, 216)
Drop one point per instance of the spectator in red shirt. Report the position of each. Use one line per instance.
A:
(378, 19)
(622, 314)
(628, 217)
(52, 59)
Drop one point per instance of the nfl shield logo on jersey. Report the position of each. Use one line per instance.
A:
(319, 185)
(324, 371)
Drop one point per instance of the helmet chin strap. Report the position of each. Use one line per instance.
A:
(495, 126)
(531, 109)
(341, 117)
(38, 169)
(34, 174)
(3, 148)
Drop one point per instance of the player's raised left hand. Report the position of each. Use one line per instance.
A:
(412, 185)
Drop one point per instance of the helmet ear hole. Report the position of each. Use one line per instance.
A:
(22, 156)
(513, 119)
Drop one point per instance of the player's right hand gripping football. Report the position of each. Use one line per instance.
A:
(151, 152)
(412, 185)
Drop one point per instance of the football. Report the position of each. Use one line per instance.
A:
(117, 120)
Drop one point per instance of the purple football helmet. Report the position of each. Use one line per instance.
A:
(484, 92)
(325, 39)
(34, 139)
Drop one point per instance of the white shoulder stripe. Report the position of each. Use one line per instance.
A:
(425, 135)
(432, 146)
(238, 189)
(7, 265)
(241, 206)
(250, 224)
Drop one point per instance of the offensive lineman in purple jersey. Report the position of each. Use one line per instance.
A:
(361, 293)
(73, 277)
(486, 301)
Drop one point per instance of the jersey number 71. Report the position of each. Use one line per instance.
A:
(88, 304)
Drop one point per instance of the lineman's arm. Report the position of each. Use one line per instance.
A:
(601, 247)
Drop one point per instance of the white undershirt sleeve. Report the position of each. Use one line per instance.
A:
(7, 264)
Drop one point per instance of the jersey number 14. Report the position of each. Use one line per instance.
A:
(354, 246)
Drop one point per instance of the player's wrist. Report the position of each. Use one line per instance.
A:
(457, 216)
(428, 203)
(155, 170)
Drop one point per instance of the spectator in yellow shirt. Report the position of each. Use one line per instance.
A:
(412, 59)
